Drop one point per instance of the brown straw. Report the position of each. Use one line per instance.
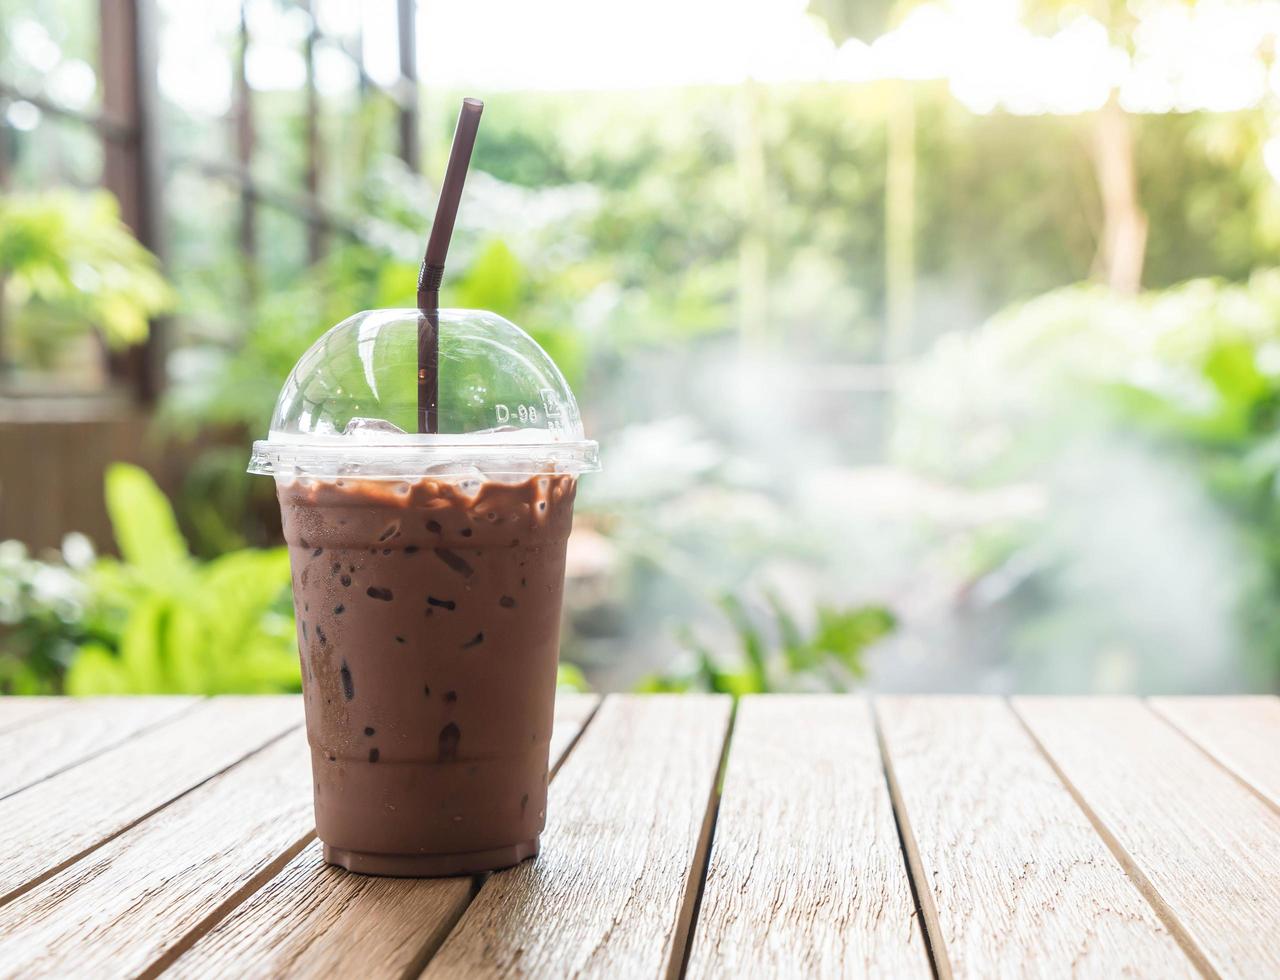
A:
(432, 271)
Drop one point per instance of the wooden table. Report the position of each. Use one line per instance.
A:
(964, 836)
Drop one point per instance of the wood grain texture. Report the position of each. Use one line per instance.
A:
(1242, 733)
(49, 744)
(628, 815)
(806, 877)
(122, 909)
(312, 920)
(15, 711)
(1204, 849)
(1015, 882)
(53, 821)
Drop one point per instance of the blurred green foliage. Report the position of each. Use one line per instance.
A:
(42, 616)
(165, 622)
(675, 208)
(68, 264)
(232, 378)
(620, 227)
(617, 234)
(774, 653)
(1190, 373)
(637, 239)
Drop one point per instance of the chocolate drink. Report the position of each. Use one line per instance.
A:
(428, 627)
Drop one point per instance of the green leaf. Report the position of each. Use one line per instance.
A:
(844, 634)
(185, 638)
(238, 588)
(494, 281)
(141, 646)
(242, 649)
(741, 682)
(96, 671)
(663, 684)
(753, 646)
(225, 629)
(795, 652)
(146, 530)
(72, 266)
(788, 631)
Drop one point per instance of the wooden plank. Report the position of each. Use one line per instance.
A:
(91, 726)
(1242, 733)
(312, 920)
(1205, 850)
(51, 823)
(128, 907)
(15, 711)
(628, 824)
(1014, 881)
(806, 876)
(573, 711)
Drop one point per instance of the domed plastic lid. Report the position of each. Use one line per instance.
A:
(350, 404)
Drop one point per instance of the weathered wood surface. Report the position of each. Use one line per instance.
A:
(313, 921)
(55, 821)
(806, 875)
(51, 743)
(18, 711)
(1050, 837)
(573, 711)
(1017, 882)
(1205, 850)
(626, 834)
(133, 903)
(1242, 733)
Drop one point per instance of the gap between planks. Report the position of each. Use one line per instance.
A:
(562, 753)
(178, 707)
(119, 910)
(606, 896)
(1013, 879)
(1139, 878)
(477, 882)
(1249, 757)
(44, 875)
(227, 907)
(687, 914)
(926, 911)
(806, 876)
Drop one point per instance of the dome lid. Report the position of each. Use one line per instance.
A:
(350, 404)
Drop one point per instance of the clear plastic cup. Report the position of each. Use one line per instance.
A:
(428, 573)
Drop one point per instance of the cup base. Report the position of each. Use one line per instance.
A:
(430, 865)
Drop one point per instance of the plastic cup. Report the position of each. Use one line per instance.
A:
(428, 573)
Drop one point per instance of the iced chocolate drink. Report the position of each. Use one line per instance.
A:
(428, 571)
(428, 620)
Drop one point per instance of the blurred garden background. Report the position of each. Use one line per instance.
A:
(931, 344)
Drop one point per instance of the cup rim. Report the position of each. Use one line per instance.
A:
(442, 456)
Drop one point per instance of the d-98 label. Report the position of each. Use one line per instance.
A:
(526, 414)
